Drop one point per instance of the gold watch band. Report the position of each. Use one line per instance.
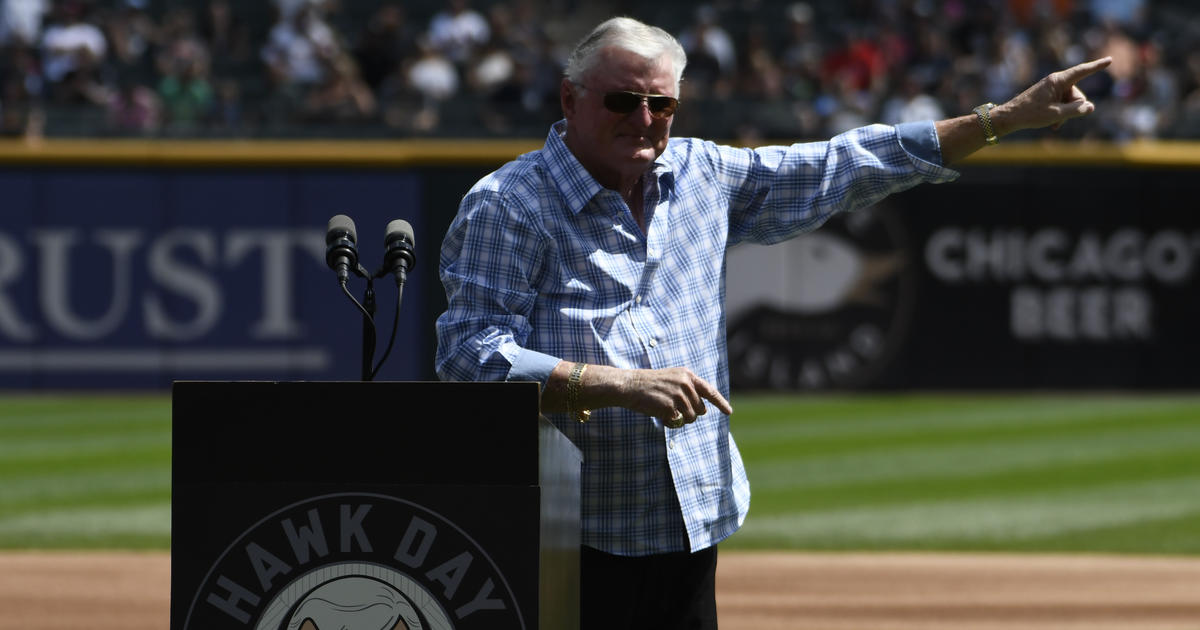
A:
(984, 113)
(574, 384)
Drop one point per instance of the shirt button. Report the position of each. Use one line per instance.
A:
(653, 342)
(671, 443)
(637, 300)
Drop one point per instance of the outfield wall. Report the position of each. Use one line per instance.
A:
(129, 264)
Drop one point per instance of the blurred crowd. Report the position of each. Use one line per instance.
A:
(758, 69)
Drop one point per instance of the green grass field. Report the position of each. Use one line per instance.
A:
(1076, 473)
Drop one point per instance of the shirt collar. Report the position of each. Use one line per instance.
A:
(574, 182)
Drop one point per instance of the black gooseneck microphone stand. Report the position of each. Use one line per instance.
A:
(398, 258)
(368, 333)
(342, 256)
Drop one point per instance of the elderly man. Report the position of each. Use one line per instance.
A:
(596, 266)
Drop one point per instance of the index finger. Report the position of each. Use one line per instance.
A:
(713, 395)
(1074, 74)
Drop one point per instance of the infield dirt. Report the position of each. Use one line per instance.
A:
(755, 591)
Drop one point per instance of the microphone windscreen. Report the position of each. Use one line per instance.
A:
(341, 225)
(399, 229)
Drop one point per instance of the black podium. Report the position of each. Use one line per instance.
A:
(396, 505)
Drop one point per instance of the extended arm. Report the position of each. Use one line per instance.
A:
(658, 393)
(1048, 103)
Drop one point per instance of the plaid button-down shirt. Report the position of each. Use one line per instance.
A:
(543, 264)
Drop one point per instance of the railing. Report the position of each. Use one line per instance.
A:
(466, 152)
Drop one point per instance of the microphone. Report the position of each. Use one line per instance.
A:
(341, 251)
(398, 245)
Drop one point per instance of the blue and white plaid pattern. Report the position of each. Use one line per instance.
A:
(543, 264)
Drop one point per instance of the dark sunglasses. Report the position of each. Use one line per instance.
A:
(625, 102)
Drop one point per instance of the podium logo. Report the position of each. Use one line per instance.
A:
(354, 561)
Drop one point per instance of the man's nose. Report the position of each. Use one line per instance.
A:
(643, 112)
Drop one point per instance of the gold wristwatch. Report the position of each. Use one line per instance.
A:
(984, 113)
(574, 384)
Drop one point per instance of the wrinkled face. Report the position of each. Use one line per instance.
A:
(616, 147)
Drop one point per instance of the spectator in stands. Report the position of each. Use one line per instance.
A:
(1147, 99)
(133, 36)
(228, 114)
(21, 21)
(296, 55)
(533, 87)
(285, 10)
(855, 62)
(1124, 12)
(457, 31)
(912, 102)
(712, 57)
(134, 109)
(933, 60)
(1011, 64)
(493, 67)
(801, 50)
(1189, 107)
(227, 36)
(20, 90)
(297, 47)
(185, 88)
(342, 96)
(521, 24)
(842, 104)
(767, 110)
(413, 95)
(383, 45)
(800, 63)
(179, 40)
(72, 50)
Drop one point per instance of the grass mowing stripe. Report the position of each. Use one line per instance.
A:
(975, 484)
(1172, 535)
(80, 411)
(1000, 427)
(106, 499)
(139, 526)
(65, 489)
(93, 427)
(965, 457)
(50, 446)
(771, 417)
(115, 457)
(954, 523)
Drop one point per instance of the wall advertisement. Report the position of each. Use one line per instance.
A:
(128, 278)
(1008, 278)
(1040, 278)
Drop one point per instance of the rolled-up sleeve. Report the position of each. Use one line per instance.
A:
(921, 140)
(489, 294)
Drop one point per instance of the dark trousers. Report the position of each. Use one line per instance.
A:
(675, 591)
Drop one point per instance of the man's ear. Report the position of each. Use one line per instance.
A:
(567, 97)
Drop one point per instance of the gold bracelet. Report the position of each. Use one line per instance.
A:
(984, 113)
(574, 384)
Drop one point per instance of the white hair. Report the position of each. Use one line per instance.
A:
(648, 42)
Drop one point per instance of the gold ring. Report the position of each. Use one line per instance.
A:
(676, 420)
